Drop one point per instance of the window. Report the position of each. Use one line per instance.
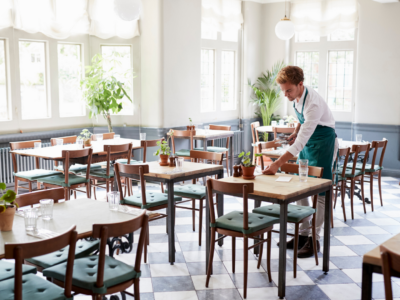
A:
(209, 34)
(34, 102)
(69, 76)
(340, 80)
(309, 62)
(118, 63)
(228, 80)
(304, 37)
(4, 104)
(342, 35)
(207, 80)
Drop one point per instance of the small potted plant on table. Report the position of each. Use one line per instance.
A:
(86, 135)
(7, 208)
(247, 167)
(164, 150)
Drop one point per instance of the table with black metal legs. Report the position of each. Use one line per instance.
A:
(267, 189)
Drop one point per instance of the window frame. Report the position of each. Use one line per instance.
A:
(7, 79)
(214, 108)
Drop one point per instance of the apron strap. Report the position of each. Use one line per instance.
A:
(305, 97)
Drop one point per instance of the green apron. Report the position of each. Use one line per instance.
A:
(320, 147)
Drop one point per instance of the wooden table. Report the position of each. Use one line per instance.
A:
(80, 212)
(275, 154)
(372, 264)
(99, 155)
(269, 128)
(166, 175)
(267, 189)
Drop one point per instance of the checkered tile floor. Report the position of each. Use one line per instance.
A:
(349, 241)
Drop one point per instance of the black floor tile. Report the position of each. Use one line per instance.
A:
(224, 294)
(347, 262)
(254, 280)
(332, 277)
(305, 292)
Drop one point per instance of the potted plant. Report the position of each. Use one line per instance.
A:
(247, 167)
(191, 126)
(164, 150)
(7, 208)
(103, 92)
(86, 135)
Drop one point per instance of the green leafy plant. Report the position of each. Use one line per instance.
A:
(190, 122)
(7, 197)
(85, 134)
(164, 147)
(246, 160)
(289, 119)
(102, 91)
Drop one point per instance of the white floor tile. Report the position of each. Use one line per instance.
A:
(267, 293)
(189, 237)
(392, 214)
(308, 264)
(185, 221)
(341, 291)
(340, 251)
(252, 267)
(384, 221)
(301, 279)
(163, 270)
(198, 256)
(354, 240)
(145, 285)
(366, 230)
(161, 247)
(338, 223)
(158, 229)
(354, 274)
(186, 295)
(222, 281)
(392, 191)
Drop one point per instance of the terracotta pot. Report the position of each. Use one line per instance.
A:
(248, 172)
(7, 219)
(164, 160)
(87, 142)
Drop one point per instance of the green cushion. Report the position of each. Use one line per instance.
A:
(368, 167)
(102, 173)
(36, 174)
(213, 149)
(85, 273)
(33, 288)
(183, 152)
(77, 168)
(234, 221)
(83, 248)
(152, 199)
(348, 173)
(7, 270)
(60, 180)
(192, 191)
(124, 161)
(296, 213)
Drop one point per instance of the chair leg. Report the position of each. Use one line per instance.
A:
(107, 186)
(342, 195)
(351, 198)
(227, 163)
(162, 187)
(136, 289)
(146, 244)
(333, 202)
(94, 190)
(16, 185)
(194, 214)
(371, 191)
(75, 195)
(380, 185)
(269, 244)
(38, 185)
(200, 220)
(246, 265)
(295, 248)
(210, 261)
(314, 238)
(87, 190)
(233, 253)
(261, 252)
(362, 193)
(30, 186)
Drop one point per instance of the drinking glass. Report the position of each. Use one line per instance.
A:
(59, 142)
(113, 200)
(46, 208)
(274, 123)
(79, 143)
(179, 163)
(142, 136)
(303, 173)
(99, 137)
(37, 145)
(30, 217)
(281, 122)
(358, 138)
(303, 163)
(117, 137)
(206, 128)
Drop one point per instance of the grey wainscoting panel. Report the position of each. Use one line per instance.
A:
(343, 130)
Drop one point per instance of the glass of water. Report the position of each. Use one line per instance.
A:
(281, 122)
(59, 142)
(99, 137)
(37, 145)
(142, 136)
(303, 173)
(113, 200)
(46, 208)
(358, 138)
(303, 163)
(179, 164)
(79, 143)
(30, 217)
(117, 137)
(274, 123)
(206, 128)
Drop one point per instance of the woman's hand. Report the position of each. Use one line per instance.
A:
(271, 169)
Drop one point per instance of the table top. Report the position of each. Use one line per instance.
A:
(373, 257)
(267, 186)
(209, 134)
(55, 152)
(80, 212)
(346, 144)
(269, 128)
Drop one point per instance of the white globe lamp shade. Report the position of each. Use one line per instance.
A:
(128, 10)
(284, 29)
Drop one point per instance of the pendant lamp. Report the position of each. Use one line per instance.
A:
(285, 28)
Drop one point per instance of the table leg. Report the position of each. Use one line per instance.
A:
(282, 250)
(208, 231)
(220, 206)
(171, 221)
(327, 229)
(366, 287)
(204, 145)
(231, 155)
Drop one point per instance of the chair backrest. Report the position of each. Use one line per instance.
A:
(239, 189)
(183, 133)
(68, 154)
(23, 145)
(390, 260)
(66, 140)
(20, 251)
(139, 169)
(346, 153)
(114, 149)
(35, 197)
(376, 145)
(254, 132)
(205, 155)
(221, 127)
(146, 144)
(285, 130)
(360, 149)
(267, 145)
(294, 169)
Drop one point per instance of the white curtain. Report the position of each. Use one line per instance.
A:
(60, 19)
(221, 15)
(323, 17)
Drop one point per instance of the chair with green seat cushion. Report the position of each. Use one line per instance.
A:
(83, 248)
(183, 153)
(295, 214)
(102, 173)
(59, 180)
(125, 161)
(78, 168)
(153, 200)
(368, 167)
(36, 174)
(7, 270)
(117, 275)
(186, 134)
(192, 191)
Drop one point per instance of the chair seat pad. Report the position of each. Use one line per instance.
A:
(348, 173)
(234, 221)
(33, 288)
(295, 214)
(77, 168)
(153, 199)
(7, 270)
(213, 149)
(83, 248)
(183, 152)
(368, 167)
(102, 173)
(124, 161)
(36, 174)
(60, 180)
(85, 273)
(192, 191)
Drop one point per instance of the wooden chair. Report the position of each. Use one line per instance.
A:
(189, 134)
(28, 176)
(288, 130)
(66, 140)
(83, 247)
(23, 286)
(100, 275)
(390, 261)
(107, 174)
(106, 136)
(239, 224)
(71, 181)
(340, 185)
(255, 137)
(151, 201)
(194, 191)
(264, 148)
(296, 213)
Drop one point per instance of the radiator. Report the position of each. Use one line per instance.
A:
(237, 142)
(24, 163)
